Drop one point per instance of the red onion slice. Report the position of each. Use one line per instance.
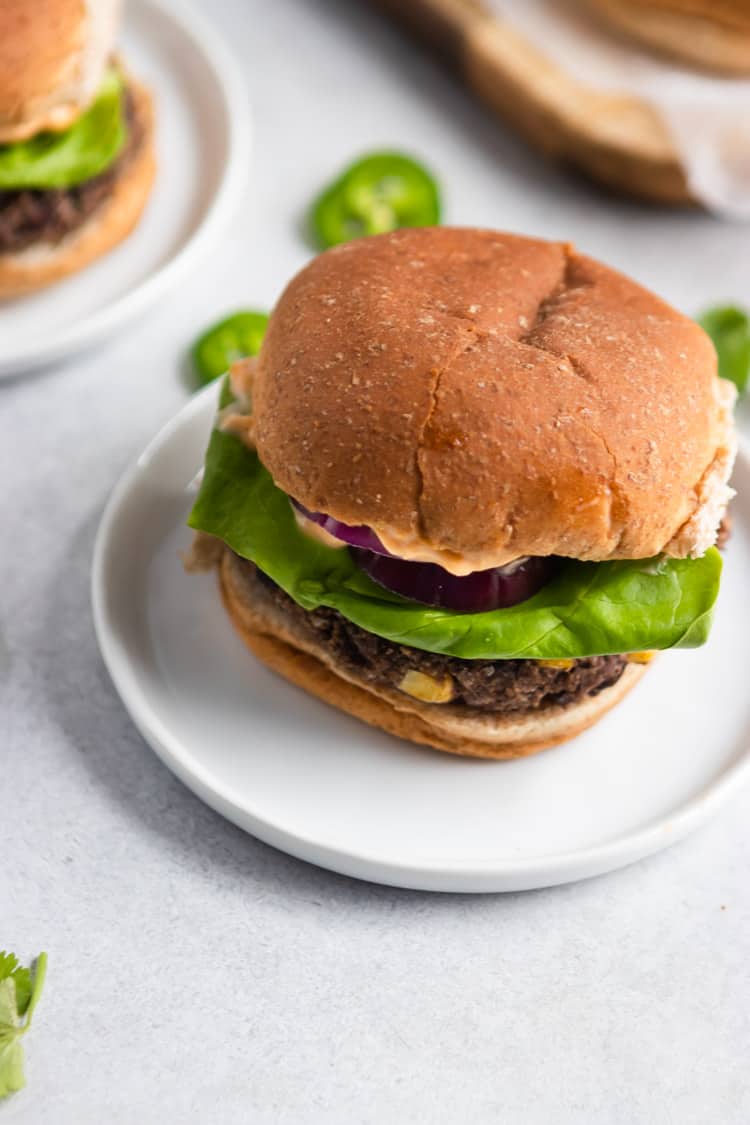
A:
(479, 592)
(355, 536)
(483, 590)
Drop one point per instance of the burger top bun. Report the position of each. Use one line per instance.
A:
(712, 34)
(475, 397)
(52, 59)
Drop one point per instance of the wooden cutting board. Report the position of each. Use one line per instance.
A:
(619, 140)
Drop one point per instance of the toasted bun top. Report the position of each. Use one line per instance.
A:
(52, 59)
(476, 396)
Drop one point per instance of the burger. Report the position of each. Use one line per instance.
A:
(711, 34)
(471, 484)
(76, 140)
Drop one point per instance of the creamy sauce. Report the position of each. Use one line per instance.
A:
(414, 549)
(313, 531)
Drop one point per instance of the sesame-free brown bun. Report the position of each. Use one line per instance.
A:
(711, 34)
(456, 729)
(42, 264)
(52, 58)
(475, 396)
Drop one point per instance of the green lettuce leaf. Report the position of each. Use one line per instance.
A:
(62, 160)
(729, 329)
(587, 610)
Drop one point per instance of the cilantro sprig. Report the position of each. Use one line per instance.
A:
(20, 989)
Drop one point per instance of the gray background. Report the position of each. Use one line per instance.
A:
(197, 975)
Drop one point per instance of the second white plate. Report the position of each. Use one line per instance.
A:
(328, 789)
(203, 152)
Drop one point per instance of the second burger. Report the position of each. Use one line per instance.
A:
(76, 141)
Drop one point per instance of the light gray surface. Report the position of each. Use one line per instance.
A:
(196, 975)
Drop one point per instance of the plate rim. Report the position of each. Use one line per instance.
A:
(490, 875)
(225, 70)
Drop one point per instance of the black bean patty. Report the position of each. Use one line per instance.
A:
(35, 215)
(501, 686)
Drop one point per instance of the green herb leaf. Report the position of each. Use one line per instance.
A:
(8, 964)
(62, 160)
(22, 978)
(19, 995)
(729, 328)
(10, 968)
(587, 610)
(11, 1052)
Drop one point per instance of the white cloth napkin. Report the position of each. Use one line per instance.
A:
(708, 117)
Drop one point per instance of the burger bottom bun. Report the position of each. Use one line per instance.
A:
(45, 263)
(693, 37)
(455, 729)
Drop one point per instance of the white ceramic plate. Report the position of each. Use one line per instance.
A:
(203, 149)
(331, 790)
